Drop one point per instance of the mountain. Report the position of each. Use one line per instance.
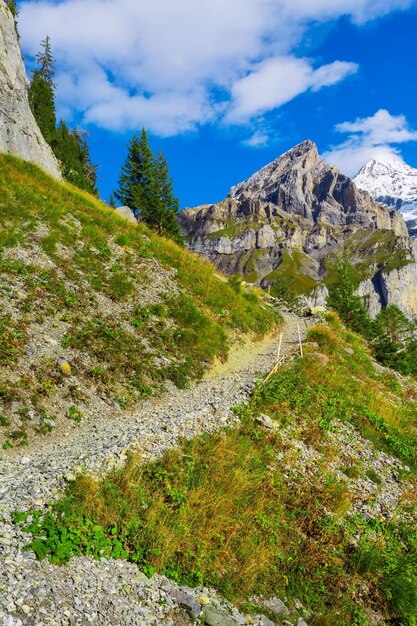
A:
(283, 227)
(19, 133)
(394, 184)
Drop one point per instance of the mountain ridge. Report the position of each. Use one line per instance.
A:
(288, 222)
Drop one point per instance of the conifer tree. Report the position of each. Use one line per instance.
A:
(344, 299)
(46, 62)
(166, 203)
(145, 187)
(42, 104)
(136, 179)
(71, 150)
(41, 92)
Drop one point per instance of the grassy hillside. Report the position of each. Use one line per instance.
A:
(318, 506)
(93, 308)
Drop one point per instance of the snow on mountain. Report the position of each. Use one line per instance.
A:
(394, 184)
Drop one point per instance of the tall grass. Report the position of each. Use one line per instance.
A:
(237, 511)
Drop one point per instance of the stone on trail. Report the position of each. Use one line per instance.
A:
(214, 617)
(265, 420)
(187, 601)
(276, 606)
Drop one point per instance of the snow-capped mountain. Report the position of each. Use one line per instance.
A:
(394, 184)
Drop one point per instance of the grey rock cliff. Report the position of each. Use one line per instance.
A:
(285, 225)
(19, 133)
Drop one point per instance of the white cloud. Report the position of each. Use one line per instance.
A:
(172, 65)
(259, 139)
(278, 80)
(374, 137)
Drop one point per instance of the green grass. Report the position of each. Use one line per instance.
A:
(370, 250)
(70, 262)
(291, 276)
(234, 510)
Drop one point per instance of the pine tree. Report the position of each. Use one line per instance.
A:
(42, 104)
(71, 150)
(395, 340)
(46, 61)
(112, 201)
(344, 299)
(41, 92)
(164, 216)
(145, 187)
(136, 181)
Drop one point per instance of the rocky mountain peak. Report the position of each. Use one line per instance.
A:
(283, 226)
(300, 182)
(19, 133)
(393, 183)
(303, 156)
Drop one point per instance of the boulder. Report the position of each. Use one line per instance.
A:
(127, 213)
(214, 617)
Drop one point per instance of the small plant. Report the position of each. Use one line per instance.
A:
(351, 471)
(4, 421)
(18, 434)
(75, 414)
(372, 475)
(46, 424)
(7, 445)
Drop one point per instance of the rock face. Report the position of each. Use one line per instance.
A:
(393, 183)
(19, 133)
(284, 226)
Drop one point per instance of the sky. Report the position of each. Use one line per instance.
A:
(223, 87)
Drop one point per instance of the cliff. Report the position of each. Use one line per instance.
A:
(19, 133)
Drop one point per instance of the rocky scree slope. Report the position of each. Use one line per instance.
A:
(96, 313)
(107, 591)
(309, 494)
(392, 183)
(285, 225)
(19, 133)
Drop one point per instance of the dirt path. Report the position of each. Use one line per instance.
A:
(31, 478)
(36, 473)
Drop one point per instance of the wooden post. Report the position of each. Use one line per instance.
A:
(299, 341)
(279, 349)
(275, 368)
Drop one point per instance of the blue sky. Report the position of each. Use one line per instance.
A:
(225, 86)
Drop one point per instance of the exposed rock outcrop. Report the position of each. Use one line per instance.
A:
(284, 226)
(19, 133)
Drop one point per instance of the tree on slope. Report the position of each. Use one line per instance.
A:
(41, 92)
(344, 299)
(71, 150)
(45, 60)
(136, 181)
(163, 217)
(145, 187)
(395, 340)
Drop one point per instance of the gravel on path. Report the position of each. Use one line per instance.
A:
(110, 592)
